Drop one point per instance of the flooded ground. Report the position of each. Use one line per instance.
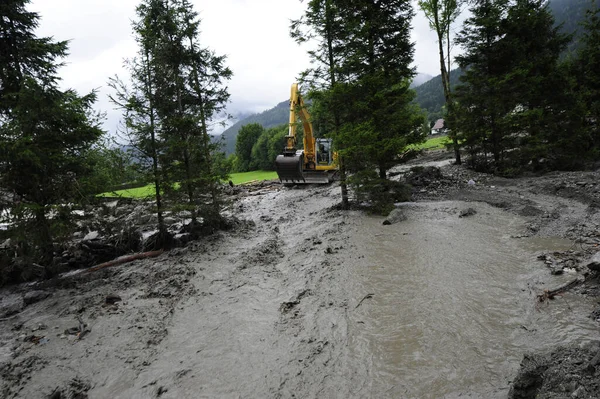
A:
(307, 301)
(453, 308)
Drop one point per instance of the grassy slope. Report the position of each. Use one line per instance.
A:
(434, 143)
(148, 191)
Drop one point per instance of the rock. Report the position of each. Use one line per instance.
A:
(110, 207)
(471, 182)
(529, 210)
(594, 263)
(35, 296)
(92, 235)
(169, 220)
(111, 299)
(395, 216)
(467, 212)
(11, 305)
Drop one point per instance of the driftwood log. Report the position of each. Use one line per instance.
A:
(126, 259)
(550, 294)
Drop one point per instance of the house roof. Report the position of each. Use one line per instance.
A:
(439, 124)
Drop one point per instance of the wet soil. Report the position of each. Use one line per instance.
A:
(305, 300)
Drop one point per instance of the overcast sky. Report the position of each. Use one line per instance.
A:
(254, 34)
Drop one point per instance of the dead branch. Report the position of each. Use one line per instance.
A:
(368, 296)
(126, 259)
(550, 294)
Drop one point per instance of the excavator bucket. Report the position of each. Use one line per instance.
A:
(289, 168)
(316, 176)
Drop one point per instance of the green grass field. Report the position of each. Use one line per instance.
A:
(148, 191)
(245, 177)
(434, 143)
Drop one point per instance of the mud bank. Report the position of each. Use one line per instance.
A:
(303, 300)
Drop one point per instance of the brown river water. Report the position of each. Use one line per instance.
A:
(453, 309)
(312, 302)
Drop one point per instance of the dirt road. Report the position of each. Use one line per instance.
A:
(304, 300)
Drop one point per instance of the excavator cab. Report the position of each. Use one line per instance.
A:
(324, 153)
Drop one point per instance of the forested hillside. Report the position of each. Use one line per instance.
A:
(270, 118)
(570, 12)
(430, 95)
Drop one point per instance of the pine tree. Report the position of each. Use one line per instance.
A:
(45, 133)
(385, 120)
(174, 126)
(323, 23)
(515, 103)
(194, 95)
(588, 73)
(138, 102)
(480, 109)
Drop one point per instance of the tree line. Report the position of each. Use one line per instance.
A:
(521, 103)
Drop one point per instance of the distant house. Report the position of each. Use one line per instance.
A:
(439, 127)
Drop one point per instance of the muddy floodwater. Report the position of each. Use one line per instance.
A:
(303, 300)
(452, 308)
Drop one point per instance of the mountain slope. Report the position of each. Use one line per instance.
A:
(275, 116)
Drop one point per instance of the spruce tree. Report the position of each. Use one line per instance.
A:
(481, 104)
(385, 121)
(45, 132)
(138, 102)
(323, 23)
(516, 102)
(588, 73)
(178, 92)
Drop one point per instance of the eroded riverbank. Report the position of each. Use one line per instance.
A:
(304, 300)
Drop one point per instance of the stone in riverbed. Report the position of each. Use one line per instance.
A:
(35, 296)
(395, 216)
(594, 263)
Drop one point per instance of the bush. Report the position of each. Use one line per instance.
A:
(380, 194)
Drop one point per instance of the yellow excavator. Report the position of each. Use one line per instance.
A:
(316, 163)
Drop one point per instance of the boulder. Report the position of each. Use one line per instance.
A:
(10, 305)
(35, 296)
(395, 216)
(594, 263)
(467, 212)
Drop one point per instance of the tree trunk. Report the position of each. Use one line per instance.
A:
(154, 153)
(336, 116)
(44, 236)
(382, 172)
(445, 72)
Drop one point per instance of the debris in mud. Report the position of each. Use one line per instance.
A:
(287, 306)
(127, 259)
(32, 297)
(594, 262)
(565, 372)
(560, 261)
(424, 176)
(368, 296)
(467, 212)
(80, 331)
(550, 294)
(112, 299)
(395, 216)
(75, 389)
